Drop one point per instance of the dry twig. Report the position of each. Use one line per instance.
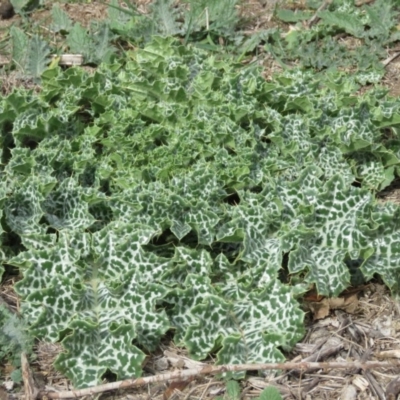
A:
(31, 391)
(314, 19)
(390, 59)
(211, 370)
(360, 3)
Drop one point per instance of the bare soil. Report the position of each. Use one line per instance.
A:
(362, 324)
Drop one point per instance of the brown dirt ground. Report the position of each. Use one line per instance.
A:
(361, 325)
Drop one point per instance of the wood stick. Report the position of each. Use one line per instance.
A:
(211, 370)
(360, 3)
(314, 19)
(31, 391)
(390, 59)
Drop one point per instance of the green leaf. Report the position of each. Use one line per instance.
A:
(15, 339)
(384, 260)
(16, 376)
(100, 49)
(42, 265)
(292, 16)
(98, 349)
(380, 19)
(166, 17)
(343, 20)
(250, 328)
(217, 15)
(38, 56)
(97, 314)
(340, 223)
(270, 393)
(22, 209)
(78, 40)
(118, 250)
(179, 229)
(20, 46)
(19, 5)
(195, 290)
(61, 20)
(64, 207)
(232, 391)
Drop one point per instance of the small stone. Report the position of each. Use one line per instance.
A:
(393, 389)
(349, 393)
(161, 364)
(6, 9)
(9, 385)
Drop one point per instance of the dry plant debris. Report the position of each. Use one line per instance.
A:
(370, 334)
